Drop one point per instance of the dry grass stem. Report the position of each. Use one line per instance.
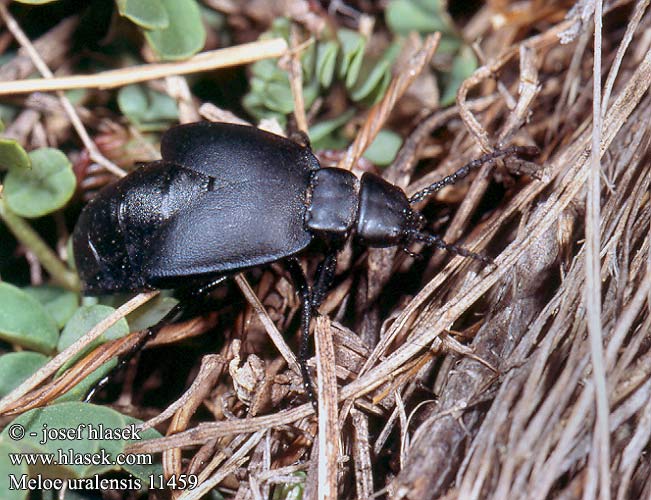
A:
(328, 438)
(205, 61)
(379, 113)
(271, 328)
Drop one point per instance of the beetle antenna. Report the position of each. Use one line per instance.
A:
(473, 165)
(437, 242)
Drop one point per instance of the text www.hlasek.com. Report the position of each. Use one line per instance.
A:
(72, 457)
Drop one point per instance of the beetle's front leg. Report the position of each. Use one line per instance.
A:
(325, 275)
(182, 306)
(305, 294)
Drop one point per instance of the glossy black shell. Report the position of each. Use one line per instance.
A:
(224, 197)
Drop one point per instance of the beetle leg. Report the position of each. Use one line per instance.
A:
(325, 275)
(208, 286)
(152, 331)
(300, 138)
(303, 289)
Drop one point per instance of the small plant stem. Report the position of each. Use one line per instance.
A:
(30, 238)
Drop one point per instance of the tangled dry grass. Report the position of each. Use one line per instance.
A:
(513, 411)
(530, 430)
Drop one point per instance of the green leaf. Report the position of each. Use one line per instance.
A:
(16, 367)
(85, 318)
(322, 129)
(254, 105)
(405, 16)
(374, 76)
(94, 431)
(185, 34)
(352, 55)
(148, 14)
(384, 148)
(270, 92)
(58, 302)
(8, 469)
(278, 97)
(280, 27)
(308, 60)
(150, 313)
(310, 92)
(147, 108)
(44, 188)
(24, 321)
(326, 58)
(267, 70)
(463, 66)
(12, 154)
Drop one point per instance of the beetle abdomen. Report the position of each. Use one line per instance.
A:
(233, 227)
(115, 232)
(224, 198)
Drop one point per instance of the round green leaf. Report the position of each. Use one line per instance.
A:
(44, 188)
(58, 302)
(147, 108)
(85, 318)
(8, 470)
(267, 69)
(24, 321)
(405, 16)
(150, 313)
(384, 148)
(16, 367)
(12, 154)
(463, 66)
(148, 14)
(185, 34)
(278, 97)
(132, 101)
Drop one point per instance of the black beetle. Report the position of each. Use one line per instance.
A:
(225, 198)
